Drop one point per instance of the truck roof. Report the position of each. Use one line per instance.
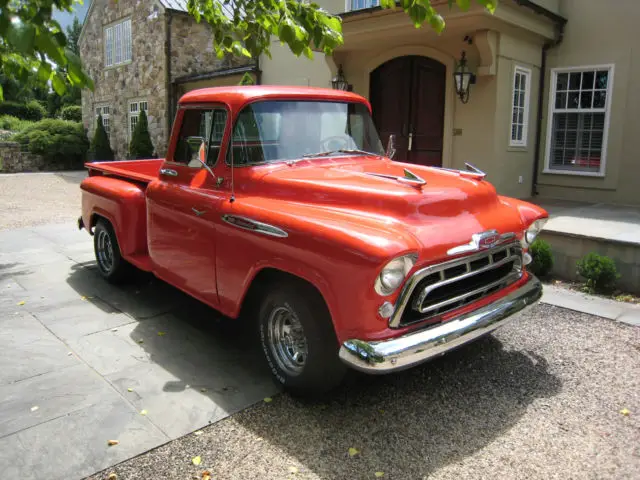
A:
(237, 96)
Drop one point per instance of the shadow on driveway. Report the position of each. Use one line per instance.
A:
(407, 424)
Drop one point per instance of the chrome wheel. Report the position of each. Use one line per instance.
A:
(287, 341)
(104, 251)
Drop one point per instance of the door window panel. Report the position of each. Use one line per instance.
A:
(206, 123)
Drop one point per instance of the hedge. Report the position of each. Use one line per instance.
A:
(100, 149)
(72, 113)
(60, 141)
(13, 124)
(30, 111)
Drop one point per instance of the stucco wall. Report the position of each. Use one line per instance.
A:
(284, 68)
(142, 78)
(597, 37)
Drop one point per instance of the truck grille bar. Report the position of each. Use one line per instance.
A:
(444, 287)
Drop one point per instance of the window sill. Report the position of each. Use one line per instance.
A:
(113, 67)
(576, 173)
(517, 148)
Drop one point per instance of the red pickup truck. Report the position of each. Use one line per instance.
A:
(279, 205)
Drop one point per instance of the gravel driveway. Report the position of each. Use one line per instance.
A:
(28, 199)
(541, 399)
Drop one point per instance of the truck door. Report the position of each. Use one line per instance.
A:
(183, 207)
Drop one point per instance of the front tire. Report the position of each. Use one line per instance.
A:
(298, 340)
(111, 265)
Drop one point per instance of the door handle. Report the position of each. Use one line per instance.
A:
(410, 141)
(198, 212)
(168, 171)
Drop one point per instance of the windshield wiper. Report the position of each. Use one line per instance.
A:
(342, 150)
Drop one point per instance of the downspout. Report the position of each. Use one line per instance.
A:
(167, 69)
(543, 67)
(258, 71)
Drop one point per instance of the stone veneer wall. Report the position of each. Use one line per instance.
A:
(144, 78)
(12, 160)
(192, 49)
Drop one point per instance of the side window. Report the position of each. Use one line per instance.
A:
(206, 123)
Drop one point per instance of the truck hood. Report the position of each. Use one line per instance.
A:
(445, 211)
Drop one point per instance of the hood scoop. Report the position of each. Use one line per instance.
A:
(409, 178)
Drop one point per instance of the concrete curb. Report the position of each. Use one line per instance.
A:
(591, 304)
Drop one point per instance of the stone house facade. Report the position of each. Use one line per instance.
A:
(142, 55)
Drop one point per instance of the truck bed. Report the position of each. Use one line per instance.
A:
(139, 170)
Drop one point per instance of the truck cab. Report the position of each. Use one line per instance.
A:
(279, 206)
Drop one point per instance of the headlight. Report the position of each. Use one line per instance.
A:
(532, 232)
(394, 273)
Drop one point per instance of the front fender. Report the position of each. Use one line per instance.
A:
(339, 252)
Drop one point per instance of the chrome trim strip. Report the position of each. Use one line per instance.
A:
(411, 283)
(413, 348)
(254, 226)
(469, 273)
(472, 171)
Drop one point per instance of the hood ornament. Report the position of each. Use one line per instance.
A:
(409, 178)
(481, 241)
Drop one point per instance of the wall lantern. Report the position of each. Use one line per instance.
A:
(463, 78)
(339, 82)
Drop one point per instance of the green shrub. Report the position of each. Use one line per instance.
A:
(100, 149)
(31, 111)
(62, 142)
(72, 113)
(599, 271)
(141, 146)
(542, 255)
(14, 124)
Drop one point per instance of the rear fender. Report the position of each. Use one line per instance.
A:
(122, 203)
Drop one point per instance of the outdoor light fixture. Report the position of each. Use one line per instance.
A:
(463, 78)
(339, 82)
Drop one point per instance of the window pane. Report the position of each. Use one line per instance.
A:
(574, 80)
(573, 100)
(562, 82)
(587, 80)
(516, 85)
(561, 100)
(576, 141)
(602, 77)
(585, 99)
(599, 99)
(133, 107)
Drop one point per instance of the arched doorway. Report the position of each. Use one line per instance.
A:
(407, 97)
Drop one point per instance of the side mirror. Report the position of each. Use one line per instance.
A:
(197, 147)
(391, 146)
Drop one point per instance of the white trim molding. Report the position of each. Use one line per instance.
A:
(579, 101)
(520, 98)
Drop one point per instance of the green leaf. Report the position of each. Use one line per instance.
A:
(464, 4)
(21, 37)
(1, 94)
(50, 47)
(44, 72)
(57, 81)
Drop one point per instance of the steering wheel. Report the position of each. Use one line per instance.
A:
(337, 142)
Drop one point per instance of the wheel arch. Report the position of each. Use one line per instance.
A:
(267, 276)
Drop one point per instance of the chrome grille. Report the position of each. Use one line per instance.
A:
(441, 288)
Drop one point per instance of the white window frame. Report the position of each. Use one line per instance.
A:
(348, 5)
(607, 116)
(526, 74)
(106, 117)
(118, 40)
(135, 114)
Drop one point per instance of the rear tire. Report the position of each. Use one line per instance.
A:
(298, 340)
(111, 265)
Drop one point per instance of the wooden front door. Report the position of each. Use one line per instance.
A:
(407, 96)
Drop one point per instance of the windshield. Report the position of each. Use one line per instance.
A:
(273, 131)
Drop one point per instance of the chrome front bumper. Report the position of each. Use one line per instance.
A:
(413, 348)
